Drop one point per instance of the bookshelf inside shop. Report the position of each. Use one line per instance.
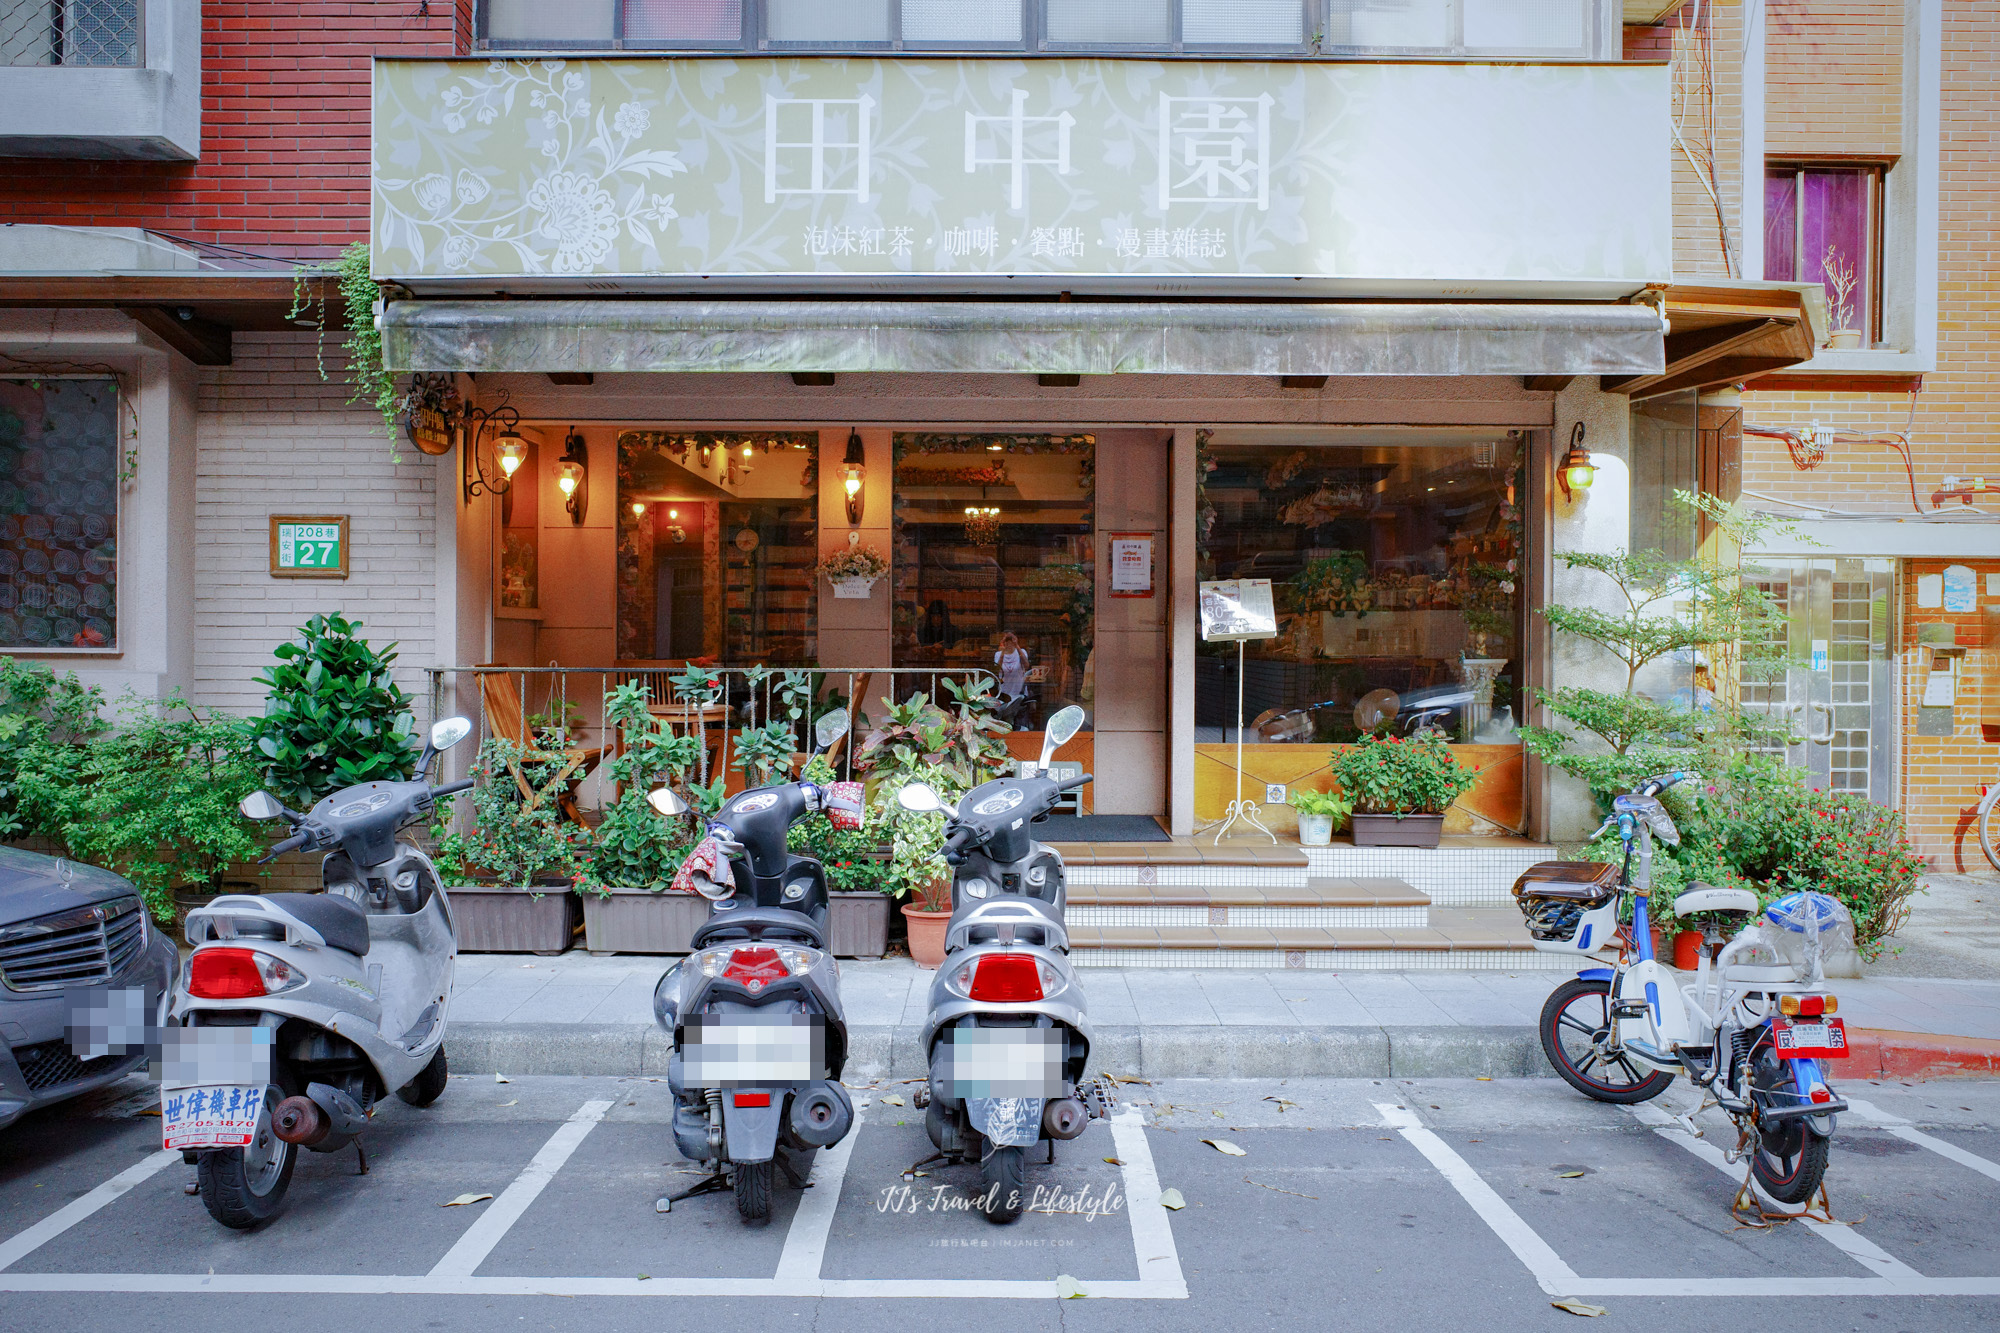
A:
(768, 552)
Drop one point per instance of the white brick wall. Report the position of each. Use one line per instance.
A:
(272, 438)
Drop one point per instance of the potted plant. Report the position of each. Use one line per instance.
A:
(1320, 813)
(853, 572)
(1840, 284)
(635, 851)
(513, 872)
(1401, 787)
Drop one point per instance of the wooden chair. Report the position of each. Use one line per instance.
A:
(507, 720)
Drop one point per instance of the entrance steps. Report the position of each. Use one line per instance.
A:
(1256, 905)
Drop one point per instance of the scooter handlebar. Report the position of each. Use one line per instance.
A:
(291, 844)
(957, 843)
(1071, 784)
(453, 788)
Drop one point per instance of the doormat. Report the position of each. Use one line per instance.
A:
(1101, 828)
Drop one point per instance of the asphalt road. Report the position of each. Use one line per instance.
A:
(1355, 1203)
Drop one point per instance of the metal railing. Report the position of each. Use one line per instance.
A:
(72, 32)
(573, 697)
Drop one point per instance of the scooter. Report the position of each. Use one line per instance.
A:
(1008, 1035)
(760, 1037)
(1751, 1030)
(298, 1012)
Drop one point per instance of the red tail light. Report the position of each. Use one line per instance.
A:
(1821, 1094)
(753, 1099)
(755, 968)
(1007, 978)
(225, 974)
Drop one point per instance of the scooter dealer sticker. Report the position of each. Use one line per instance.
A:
(209, 1117)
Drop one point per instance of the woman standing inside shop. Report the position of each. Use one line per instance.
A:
(1012, 662)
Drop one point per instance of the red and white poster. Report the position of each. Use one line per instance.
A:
(1131, 564)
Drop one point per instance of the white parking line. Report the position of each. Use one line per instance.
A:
(805, 1243)
(480, 1238)
(27, 1242)
(1555, 1276)
(1842, 1237)
(1873, 1116)
(1152, 1231)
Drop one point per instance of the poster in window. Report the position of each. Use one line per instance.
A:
(1131, 564)
(1233, 609)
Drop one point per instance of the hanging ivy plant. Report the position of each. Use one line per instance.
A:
(367, 368)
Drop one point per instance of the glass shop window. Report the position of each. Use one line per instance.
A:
(1823, 223)
(994, 560)
(59, 465)
(1395, 569)
(718, 533)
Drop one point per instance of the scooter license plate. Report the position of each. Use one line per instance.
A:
(734, 1053)
(1004, 1062)
(212, 1117)
(1824, 1040)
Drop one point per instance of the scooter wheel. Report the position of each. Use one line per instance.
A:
(245, 1187)
(427, 1086)
(1575, 1018)
(753, 1192)
(1005, 1175)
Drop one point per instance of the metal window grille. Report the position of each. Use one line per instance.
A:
(71, 32)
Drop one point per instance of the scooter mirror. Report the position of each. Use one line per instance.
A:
(919, 798)
(830, 728)
(260, 805)
(1062, 728)
(449, 731)
(667, 803)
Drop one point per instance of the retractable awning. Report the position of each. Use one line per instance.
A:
(1048, 338)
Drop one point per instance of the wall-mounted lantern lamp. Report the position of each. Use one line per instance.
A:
(573, 475)
(1576, 471)
(854, 470)
(638, 509)
(509, 450)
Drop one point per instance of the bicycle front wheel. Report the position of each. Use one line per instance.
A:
(1989, 826)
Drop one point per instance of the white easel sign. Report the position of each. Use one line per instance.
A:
(1237, 609)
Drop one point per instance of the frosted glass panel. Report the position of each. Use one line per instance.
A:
(963, 22)
(1425, 23)
(1114, 22)
(818, 21)
(683, 20)
(1533, 25)
(1243, 22)
(549, 21)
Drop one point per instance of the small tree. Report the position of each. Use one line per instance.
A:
(335, 716)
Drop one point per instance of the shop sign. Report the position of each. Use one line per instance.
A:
(309, 547)
(1131, 564)
(1357, 176)
(1235, 609)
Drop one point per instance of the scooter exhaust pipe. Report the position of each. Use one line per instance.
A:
(1064, 1118)
(299, 1120)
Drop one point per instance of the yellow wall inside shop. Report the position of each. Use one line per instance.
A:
(1495, 800)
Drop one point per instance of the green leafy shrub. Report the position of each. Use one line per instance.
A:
(334, 717)
(635, 846)
(850, 855)
(516, 838)
(1401, 774)
(47, 723)
(917, 741)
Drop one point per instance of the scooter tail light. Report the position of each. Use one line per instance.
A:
(755, 967)
(1821, 1094)
(226, 974)
(1007, 978)
(1807, 1006)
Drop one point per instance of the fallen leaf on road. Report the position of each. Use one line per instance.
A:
(892, 1100)
(1570, 1175)
(1482, 1078)
(1225, 1146)
(645, 1277)
(502, 1078)
(1275, 1190)
(1068, 1288)
(517, 1102)
(1283, 1105)
(464, 1199)
(1172, 1199)
(1115, 1161)
(1575, 1306)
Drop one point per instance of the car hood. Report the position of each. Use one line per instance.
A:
(33, 885)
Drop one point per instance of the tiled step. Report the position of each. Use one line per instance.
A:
(1184, 864)
(1463, 872)
(1323, 903)
(1454, 940)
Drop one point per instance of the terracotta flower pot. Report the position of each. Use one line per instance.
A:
(1687, 950)
(1659, 942)
(926, 935)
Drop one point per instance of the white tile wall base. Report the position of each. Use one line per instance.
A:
(1332, 918)
(1329, 960)
(1450, 876)
(1126, 876)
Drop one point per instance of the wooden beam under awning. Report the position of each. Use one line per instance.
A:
(1724, 334)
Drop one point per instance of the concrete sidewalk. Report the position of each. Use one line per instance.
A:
(582, 1015)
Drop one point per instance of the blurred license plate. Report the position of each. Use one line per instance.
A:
(219, 1117)
(741, 1051)
(1826, 1039)
(1004, 1062)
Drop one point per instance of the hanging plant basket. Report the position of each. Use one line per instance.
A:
(857, 589)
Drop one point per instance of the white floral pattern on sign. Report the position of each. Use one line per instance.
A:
(591, 187)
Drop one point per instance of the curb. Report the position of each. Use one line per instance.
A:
(1918, 1056)
(1152, 1051)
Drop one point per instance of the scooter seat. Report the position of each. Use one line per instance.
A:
(758, 923)
(340, 921)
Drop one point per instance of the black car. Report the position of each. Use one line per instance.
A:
(74, 940)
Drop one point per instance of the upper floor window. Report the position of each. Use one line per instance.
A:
(59, 481)
(1823, 223)
(1525, 28)
(70, 32)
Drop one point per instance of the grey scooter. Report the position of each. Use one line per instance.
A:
(297, 1012)
(1008, 1035)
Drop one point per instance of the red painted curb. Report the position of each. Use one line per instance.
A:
(1916, 1056)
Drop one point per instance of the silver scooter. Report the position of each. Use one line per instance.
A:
(298, 1011)
(760, 1036)
(1008, 1035)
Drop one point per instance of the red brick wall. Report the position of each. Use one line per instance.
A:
(284, 155)
(1942, 774)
